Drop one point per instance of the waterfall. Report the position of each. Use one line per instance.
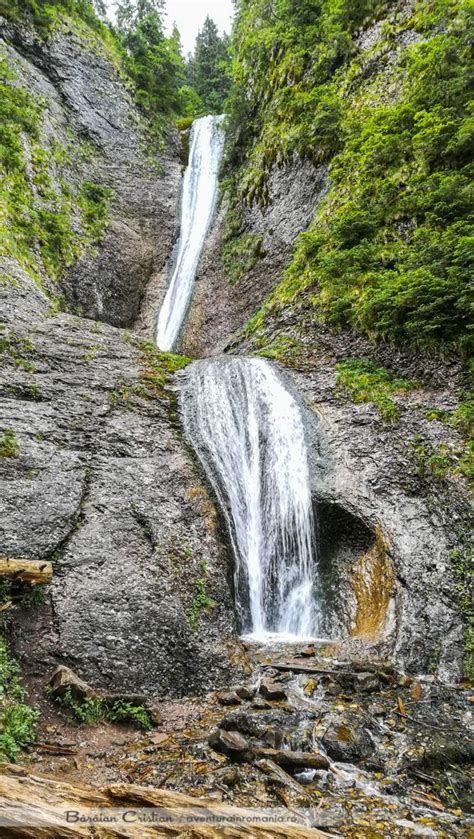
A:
(197, 208)
(248, 432)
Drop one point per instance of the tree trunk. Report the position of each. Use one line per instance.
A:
(26, 570)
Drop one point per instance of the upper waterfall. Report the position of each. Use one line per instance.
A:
(248, 431)
(197, 207)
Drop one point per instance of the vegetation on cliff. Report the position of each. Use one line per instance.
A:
(37, 206)
(390, 249)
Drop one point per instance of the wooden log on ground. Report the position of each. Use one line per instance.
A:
(26, 570)
(298, 760)
(34, 807)
(276, 773)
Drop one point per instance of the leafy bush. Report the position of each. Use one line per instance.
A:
(9, 446)
(95, 709)
(201, 602)
(17, 720)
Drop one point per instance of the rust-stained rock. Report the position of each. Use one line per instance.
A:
(373, 581)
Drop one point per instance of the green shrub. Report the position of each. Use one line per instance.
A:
(202, 602)
(37, 211)
(9, 445)
(368, 383)
(93, 710)
(443, 461)
(241, 255)
(17, 720)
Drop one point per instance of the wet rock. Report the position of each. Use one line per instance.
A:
(245, 693)
(64, 681)
(229, 698)
(230, 777)
(232, 744)
(309, 687)
(260, 704)
(271, 728)
(367, 683)
(345, 739)
(272, 691)
(219, 307)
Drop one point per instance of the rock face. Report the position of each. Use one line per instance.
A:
(90, 115)
(388, 536)
(100, 483)
(220, 308)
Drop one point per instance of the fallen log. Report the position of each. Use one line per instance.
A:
(26, 570)
(276, 773)
(35, 807)
(299, 760)
(297, 667)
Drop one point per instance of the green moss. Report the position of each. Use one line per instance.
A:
(462, 560)
(202, 602)
(159, 366)
(442, 461)
(283, 349)
(94, 202)
(9, 445)
(365, 382)
(241, 255)
(17, 719)
(93, 710)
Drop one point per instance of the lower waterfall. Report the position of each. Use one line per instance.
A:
(248, 432)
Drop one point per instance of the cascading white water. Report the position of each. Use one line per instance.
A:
(248, 431)
(197, 208)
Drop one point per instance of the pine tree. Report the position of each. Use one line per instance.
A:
(131, 12)
(208, 68)
(154, 60)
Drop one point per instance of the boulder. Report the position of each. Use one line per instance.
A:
(246, 693)
(272, 691)
(228, 698)
(367, 683)
(64, 681)
(346, 740)
(232, 744)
